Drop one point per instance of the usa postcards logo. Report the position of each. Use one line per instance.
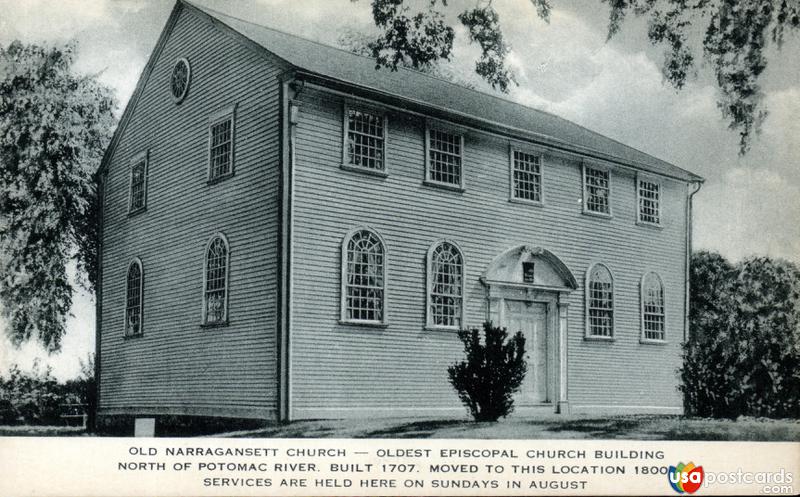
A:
(685, 478)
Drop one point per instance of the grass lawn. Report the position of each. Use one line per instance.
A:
(637, 427)
(41, 431)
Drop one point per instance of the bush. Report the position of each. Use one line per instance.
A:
(33, 396)
(492, 372)
(742, 357)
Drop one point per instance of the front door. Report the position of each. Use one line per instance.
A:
(531, 319)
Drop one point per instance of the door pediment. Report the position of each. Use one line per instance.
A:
(529, 267)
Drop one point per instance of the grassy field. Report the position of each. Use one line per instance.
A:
(635, 427)
(41, 431)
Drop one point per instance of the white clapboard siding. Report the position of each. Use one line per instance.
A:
(352, 369)
(178, 367)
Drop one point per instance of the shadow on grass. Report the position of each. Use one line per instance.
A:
(416, 429)
(613, 427)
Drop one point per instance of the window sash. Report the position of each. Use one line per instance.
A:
(220, 155)
(133, 300)
(446, 286)
(597, 189)
(445, 157)
(649, 202)
(653, 308)
(526, 176)
(600, 303)
(215, 293)
(137, 193)
(365, 140)
(364, 278)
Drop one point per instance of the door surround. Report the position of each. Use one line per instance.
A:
(535, 275)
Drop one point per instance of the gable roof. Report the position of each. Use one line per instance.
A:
(428, 92)
(346, 67)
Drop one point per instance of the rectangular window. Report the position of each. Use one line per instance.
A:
(649, 202)
(596, 190)
(138, 184)
(526, 177)
(221, 148)
(365, 141)
(601, 309)
(445, 157)
(220, 144)
(653, 322)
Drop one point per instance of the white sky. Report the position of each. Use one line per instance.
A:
(748, 205)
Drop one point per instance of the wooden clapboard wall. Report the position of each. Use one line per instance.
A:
(347, 370)
(177, 366)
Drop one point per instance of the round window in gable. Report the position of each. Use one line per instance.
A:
(179, 82)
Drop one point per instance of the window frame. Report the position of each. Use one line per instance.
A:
(180, 98)
(218, 117)
(599, 167)
(587, 299)
(450, 130)
(204, 317)
(656, 181)
(347, 106)
(141, 157)
(343, 319)
(138, 262)
(429, 325)
(642, 336)
(512, 150)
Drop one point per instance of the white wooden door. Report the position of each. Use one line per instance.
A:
(531, 319)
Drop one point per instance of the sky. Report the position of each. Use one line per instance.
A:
(748, 206)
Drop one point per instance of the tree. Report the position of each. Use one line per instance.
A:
(736, 34)
(54, 127)
(360, 44)
(743, 353)
(492, 371)
(709, 281)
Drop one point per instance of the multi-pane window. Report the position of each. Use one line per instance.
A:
(215, 293)
(138, 184)
(600, 302)
(596, 190)
(445, 286)
(649, 202)
(526, 177)
(133, 299)
(444, 157)
(365, 140)
(221, 148)
(364, 278)
(652, 307)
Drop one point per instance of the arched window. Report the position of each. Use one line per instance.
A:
(215, 281)
(363, 277)
(445, 285)
(653, 316)
(133, 299)
(599, 302)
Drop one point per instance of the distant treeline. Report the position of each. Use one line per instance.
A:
(35, 397)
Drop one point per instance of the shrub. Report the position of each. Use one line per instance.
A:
(492, 372)
(33, 396)
(742, 357)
